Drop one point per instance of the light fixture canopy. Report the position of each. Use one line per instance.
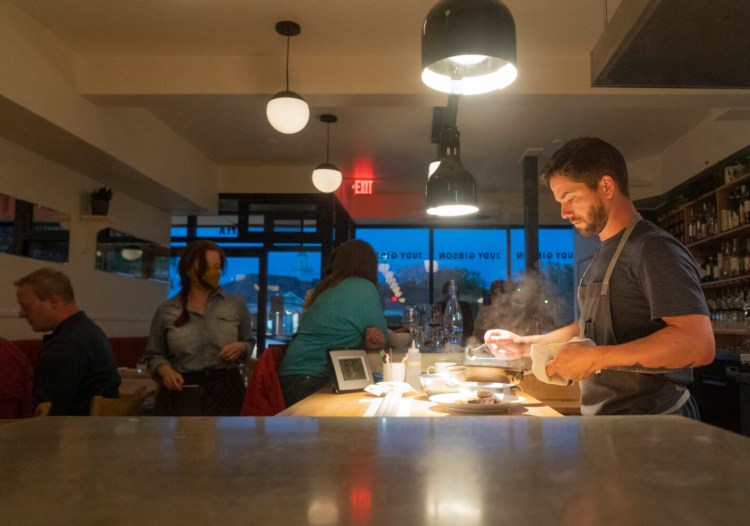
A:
(468, 47)
(451, 190)
(287, 111)
(327, 177)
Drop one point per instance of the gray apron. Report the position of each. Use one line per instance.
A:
(622, 390)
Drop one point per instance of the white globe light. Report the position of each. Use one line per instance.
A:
(287, 112)
(327, 178)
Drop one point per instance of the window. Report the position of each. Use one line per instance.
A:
(32, 231)
(403, 267)
(474, 258)
(275, 244)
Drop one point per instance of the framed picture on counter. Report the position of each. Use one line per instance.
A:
(351, 370)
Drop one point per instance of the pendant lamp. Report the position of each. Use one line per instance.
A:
(327, 177)
(287, 111)
(468, 47)
(451, 190)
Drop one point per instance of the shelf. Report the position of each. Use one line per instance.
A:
(726, 281)
(732, 332)
(742, 229)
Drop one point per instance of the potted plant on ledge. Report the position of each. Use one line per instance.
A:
(100, 199)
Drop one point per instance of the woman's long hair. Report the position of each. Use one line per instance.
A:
(354, 258)
(194, 253)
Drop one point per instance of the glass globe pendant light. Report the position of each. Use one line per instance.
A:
(287, 111)
(468, 47)
(327, 177)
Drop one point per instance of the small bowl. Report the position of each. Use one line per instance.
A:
(399, 340)
(433, 384)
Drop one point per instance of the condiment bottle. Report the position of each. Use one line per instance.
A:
(413, 367)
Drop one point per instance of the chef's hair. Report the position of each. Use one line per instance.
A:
(586, 160)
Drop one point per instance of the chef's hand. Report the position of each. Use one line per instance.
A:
(506, 345)
(171, 379)
(374, 339)
(574, 362)
(232, 351)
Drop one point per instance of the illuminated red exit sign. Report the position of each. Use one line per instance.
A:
(362, 187)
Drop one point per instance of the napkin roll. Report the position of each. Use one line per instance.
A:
(543, 353)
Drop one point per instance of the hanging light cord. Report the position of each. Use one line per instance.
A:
(287, 61)
(328, 139)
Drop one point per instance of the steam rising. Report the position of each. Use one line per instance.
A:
(524, 307)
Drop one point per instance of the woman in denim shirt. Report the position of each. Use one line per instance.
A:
(198, 339)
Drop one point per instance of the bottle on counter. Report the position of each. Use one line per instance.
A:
(413, 366)
(453, 322)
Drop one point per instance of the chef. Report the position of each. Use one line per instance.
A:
(640, 298)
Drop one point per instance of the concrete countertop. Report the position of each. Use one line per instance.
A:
(392, 471)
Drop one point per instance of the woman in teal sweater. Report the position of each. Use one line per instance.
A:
(343, 311)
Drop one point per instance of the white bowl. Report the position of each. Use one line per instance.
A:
(439, 383)
(399, 340)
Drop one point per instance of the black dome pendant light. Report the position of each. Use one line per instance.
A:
(451, 191)
(468, 47)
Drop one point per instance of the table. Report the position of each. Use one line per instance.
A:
(468, 471)
(326, 403)
(131, 379)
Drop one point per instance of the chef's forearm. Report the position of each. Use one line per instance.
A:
(563, 334)
(686, 341)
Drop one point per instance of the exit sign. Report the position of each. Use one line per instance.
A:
(362, 186)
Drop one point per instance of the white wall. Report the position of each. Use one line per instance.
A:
(122, 306)
(706, 144)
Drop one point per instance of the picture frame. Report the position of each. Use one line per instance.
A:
(351, 369)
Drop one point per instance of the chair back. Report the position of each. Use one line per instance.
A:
(43, 409)
(264, 396)
(129, 404)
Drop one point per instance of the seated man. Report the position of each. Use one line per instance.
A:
(76, 361)
(16, 382)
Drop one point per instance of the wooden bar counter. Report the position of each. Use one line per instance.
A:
(326, 403)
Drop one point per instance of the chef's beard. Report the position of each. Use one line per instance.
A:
(596, 220)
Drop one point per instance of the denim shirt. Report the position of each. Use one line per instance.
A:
(195, 346)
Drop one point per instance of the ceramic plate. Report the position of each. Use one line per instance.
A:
(454, 402)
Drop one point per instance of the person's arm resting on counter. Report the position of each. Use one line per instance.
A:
(374, 339)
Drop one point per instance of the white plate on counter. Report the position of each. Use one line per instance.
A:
(457, 402)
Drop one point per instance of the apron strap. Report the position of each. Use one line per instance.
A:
(616, 256)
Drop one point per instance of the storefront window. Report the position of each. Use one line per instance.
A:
(403, 267)
(474, 258)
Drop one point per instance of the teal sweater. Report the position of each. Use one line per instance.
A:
(337, 319)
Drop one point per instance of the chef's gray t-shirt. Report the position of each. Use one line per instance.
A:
(655, 277)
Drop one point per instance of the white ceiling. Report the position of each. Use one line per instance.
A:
(207, 68)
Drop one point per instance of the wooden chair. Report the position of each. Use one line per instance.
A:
(43, 409)
(129, 404)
